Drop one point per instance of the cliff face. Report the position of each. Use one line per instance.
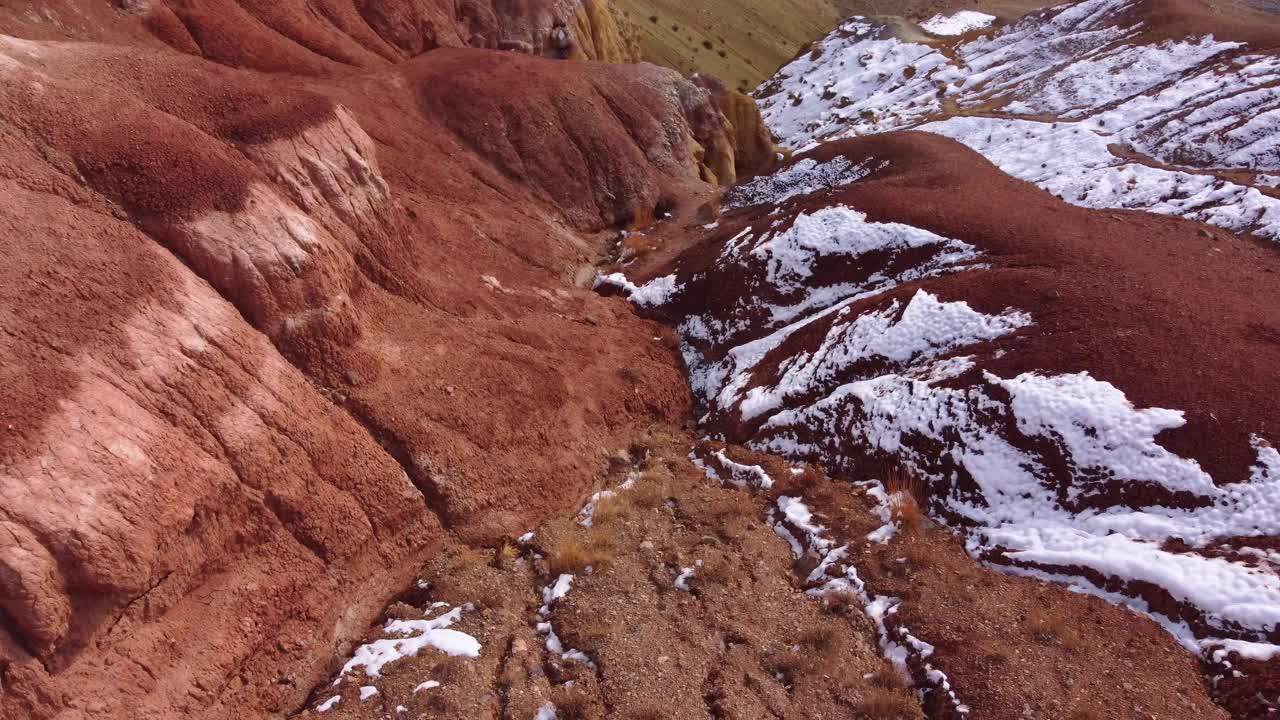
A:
(604, 33)
(288, 296)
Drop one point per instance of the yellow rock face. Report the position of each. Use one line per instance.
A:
(603, 33)
(754, 150)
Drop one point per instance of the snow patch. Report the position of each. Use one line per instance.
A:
(957, 24)
(416, 635)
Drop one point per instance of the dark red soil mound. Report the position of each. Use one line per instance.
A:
(1174, 313)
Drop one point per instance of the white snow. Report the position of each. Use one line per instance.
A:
(547, 712)
(557, 589)
(744, 476)
(1073, 162)
(957, 24)
(885, 532)
(794, 522)
(904, 376)
(658, 291)
(329, 704)
(1261, 652)
(1195, 104)
(862, 81)
(415, 636)
(803, 177)
(926, 328)
(682, 580)
(367, 691)
(428, 685)
(788, 259)
(1101, 434)
(1101, 430)
(586, 516)
(898, 644)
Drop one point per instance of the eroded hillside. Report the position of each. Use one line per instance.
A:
(290, 294)
(317, 397)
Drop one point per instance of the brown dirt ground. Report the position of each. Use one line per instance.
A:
(1015, 647)
(747, 642)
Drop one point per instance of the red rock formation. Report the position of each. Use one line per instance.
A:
(269, 332)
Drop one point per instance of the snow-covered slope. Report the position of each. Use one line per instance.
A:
(822, 322)
(1086, 100)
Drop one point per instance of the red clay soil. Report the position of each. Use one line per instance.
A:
(268, 337)
(1174, 313)
(320, 38)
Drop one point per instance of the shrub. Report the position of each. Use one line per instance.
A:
(505, 557)
(715, 569)
(887, 677)
(906, 494)
(917, 555)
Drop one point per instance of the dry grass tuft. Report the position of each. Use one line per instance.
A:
(715, 569)
(841, 603)
(449, 668)
(906, 494)
(468, 559)
(648, 712)
(512, 675)
(732, 503)
(804, 483)
(505, 557)
(822, 640)
(650, 445)
(887, 677)
(790, 665)
(652, 488)
(589, 632)
(574, 551)
(612, 507)
(918, 556)
(1048, 627)
(573, 704)
(879, 703)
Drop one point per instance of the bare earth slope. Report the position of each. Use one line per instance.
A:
(707, 581)
(1086, 395)
(267, 335)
